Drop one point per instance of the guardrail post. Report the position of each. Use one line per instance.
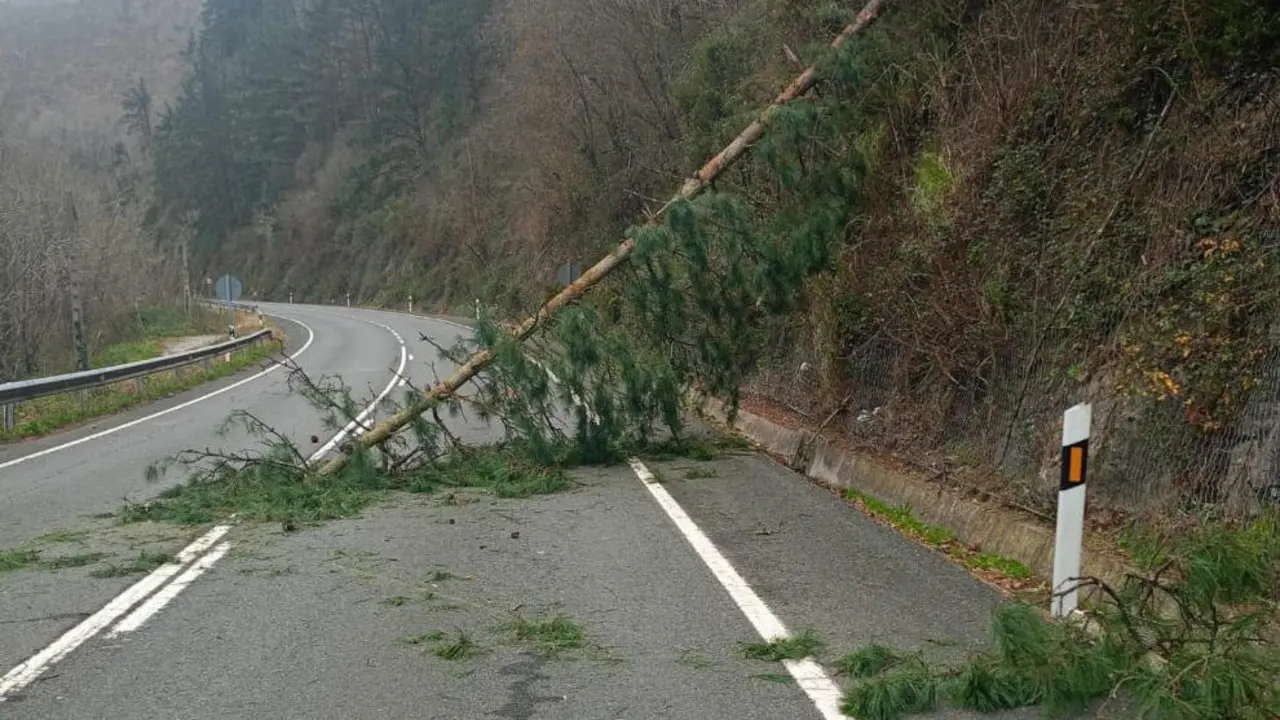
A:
(142, 384)
(10, 410)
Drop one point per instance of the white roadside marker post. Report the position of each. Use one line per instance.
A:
(410, 304)
(1069, 540)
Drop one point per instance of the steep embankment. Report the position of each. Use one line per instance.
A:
(988, 211)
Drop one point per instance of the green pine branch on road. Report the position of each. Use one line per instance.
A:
(1191, 638)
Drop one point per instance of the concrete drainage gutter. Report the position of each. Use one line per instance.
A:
(985, 525)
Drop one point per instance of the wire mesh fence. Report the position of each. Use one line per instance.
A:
(999, 430)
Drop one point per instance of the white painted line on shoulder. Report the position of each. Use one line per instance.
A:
(357, 426)
(132, 423)
(156, 602)
(35, 666)
(145, 590)
(808, 674)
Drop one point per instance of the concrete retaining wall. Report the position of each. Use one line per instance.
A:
(985, 525)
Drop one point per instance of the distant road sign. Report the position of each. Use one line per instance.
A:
(228, 288)
(568, 272)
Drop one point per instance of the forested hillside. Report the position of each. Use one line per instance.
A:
(75, 182)
(986, 211)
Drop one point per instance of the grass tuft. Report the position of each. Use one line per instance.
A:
(144, 563)
(62, 536)
(796, 647)
(63, 562)
(939, 538)
(460, 648)
(547, 637)
(11, 560)
(426, 637)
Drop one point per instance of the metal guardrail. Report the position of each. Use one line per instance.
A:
(24, 390)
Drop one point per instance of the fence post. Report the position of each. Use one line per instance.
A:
(10, 410)
(1069, 539)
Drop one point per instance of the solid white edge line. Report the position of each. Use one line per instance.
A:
(156, 602)
(356, 426)
(35, 666)
(810, 676)
(133, 423)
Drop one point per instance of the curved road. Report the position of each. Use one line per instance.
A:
(58, 482)
(667, 573)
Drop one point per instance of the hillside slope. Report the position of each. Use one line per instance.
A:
(65, 68)
(987, 212)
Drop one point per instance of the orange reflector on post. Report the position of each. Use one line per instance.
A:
(1075, 471)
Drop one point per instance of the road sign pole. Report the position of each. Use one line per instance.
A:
(1069, 540)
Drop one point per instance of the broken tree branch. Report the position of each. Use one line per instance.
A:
(692, 187)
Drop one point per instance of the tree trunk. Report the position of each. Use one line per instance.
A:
(692, 187)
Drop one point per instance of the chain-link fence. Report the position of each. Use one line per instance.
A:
(1000, 430)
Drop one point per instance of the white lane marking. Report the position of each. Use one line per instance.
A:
(133, 423)
(357, 426)
(30, 670)
(159, 600)
(808, 674)
(156, 602)
(401, 313)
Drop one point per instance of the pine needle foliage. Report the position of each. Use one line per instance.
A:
(867, 661)
(1192, 638)
(902, 689)
(803, 644)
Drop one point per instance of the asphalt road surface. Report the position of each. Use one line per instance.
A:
(665, 569)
